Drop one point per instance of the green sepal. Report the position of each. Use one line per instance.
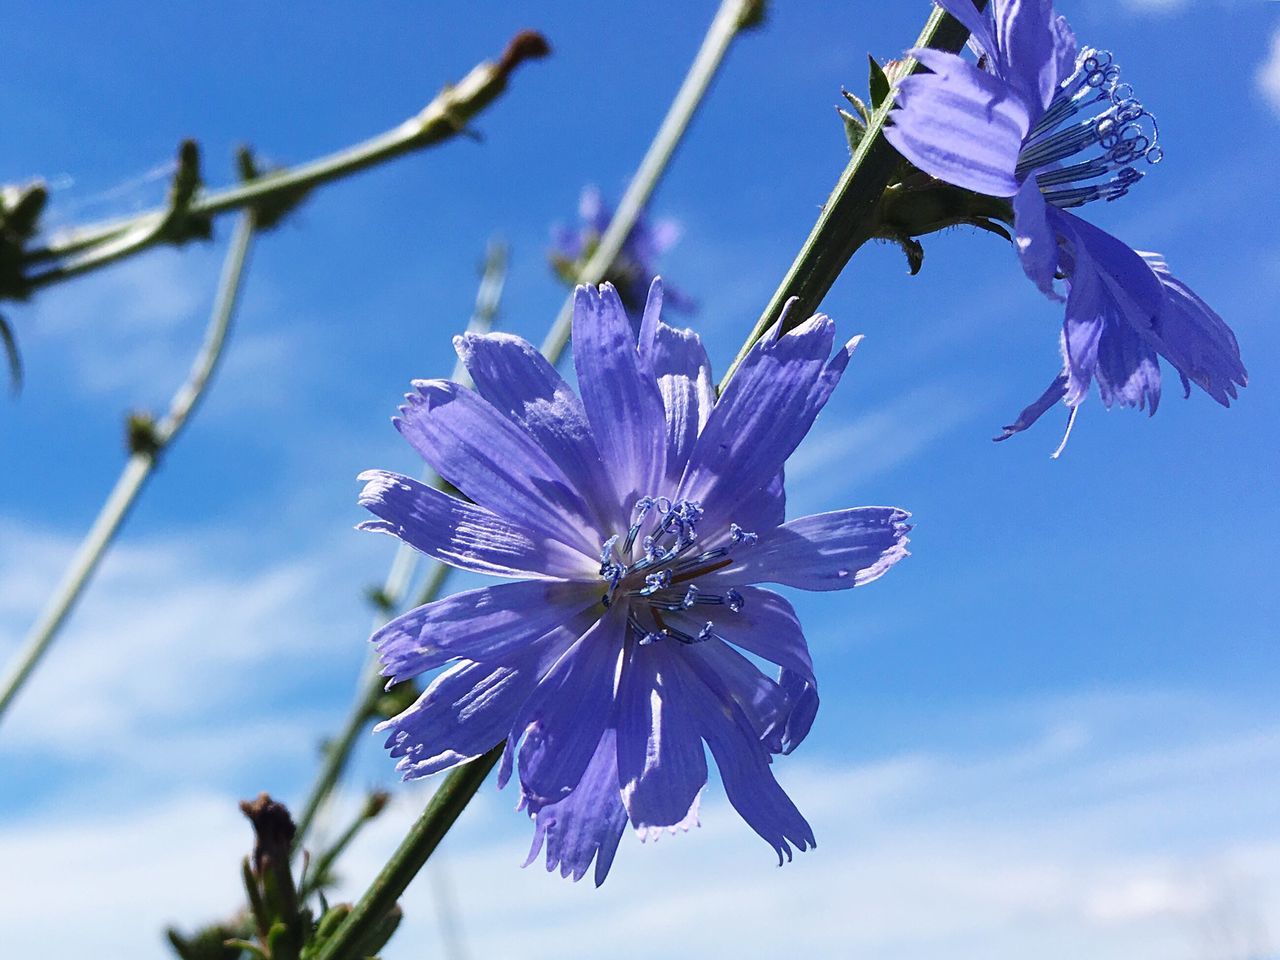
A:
(877, 83)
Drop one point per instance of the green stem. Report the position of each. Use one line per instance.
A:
(137, 470)
(851, 215)
(419, 843)
(83, 249)
(731, 19)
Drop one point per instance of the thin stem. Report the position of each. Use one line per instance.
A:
(732, 17)
(419, 843)
(137, 469)
(370, 686)
(851, 215)
(82, 249)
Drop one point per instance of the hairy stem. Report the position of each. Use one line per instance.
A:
(851, 215)
(138, 468)
(82, 249)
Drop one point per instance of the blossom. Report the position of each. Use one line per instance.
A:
(635, 525)
(636, 263)
(1051, 126)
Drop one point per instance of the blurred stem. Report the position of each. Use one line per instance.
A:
(422, 839)
(148, 443)
(731, 19)
(399, 575)
(851, 215)
(82, 249)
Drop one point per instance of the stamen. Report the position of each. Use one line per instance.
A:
(653, 582)
(735, 600)
(1121, 128)
(738, 535)
(707, 632)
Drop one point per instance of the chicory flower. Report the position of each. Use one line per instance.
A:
(1052, 127)
(635, 525)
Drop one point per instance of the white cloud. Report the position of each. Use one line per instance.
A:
(1268, 75)
(840, 453)
(179, 649)
(1085, 837)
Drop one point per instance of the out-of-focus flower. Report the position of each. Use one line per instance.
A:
(1052, 127)
(636, 524)
(635, 265)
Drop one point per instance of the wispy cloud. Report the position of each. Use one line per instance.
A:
(1114, 827)
(1268, 75)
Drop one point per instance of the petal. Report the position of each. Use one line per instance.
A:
(764, 509)
(661, 763)
(1196, 340)
(764, 413)
(490, 623)
(763, 705)
(1027, 34)
(1035, 410)
(462, 534)
(803, 696)
(825, 551)
(621, 398)
(1111, 287)
(588, 823)
(564, 718)
(977, 23)
(1036, 240)
(960, 125)
(519, 382)
(466, 710)
(683, 373)
(493, 462)
(768, 627)
(743, 762)
(1064, 48)
(1128, 372)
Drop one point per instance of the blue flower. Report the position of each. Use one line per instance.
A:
(635, 525)
(638, 261)
(1052, 127)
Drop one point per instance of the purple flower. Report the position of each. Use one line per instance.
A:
(638, 261)
(1053, 128)
(634, 525)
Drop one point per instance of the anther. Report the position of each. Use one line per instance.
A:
(734, 600)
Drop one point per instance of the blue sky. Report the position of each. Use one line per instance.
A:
(1052, 731)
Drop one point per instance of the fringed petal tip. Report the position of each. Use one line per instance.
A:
(691, 819)
(892, 554)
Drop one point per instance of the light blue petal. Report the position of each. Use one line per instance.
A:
(489, 623)
(960, 125)
(588, 823)
(519, 382)
(661, 763)
(825, 551)
(764, 413)
(462, 534)
(743, 761)
(564, 718)
(494, 462)
(1036, 240)
(1196, 340)
(621, 399)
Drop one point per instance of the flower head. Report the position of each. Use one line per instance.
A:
(1052, 126)
(635, 525)
(638, 261)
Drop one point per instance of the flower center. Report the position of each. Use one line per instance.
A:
(660, 581)
(1117, 130)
